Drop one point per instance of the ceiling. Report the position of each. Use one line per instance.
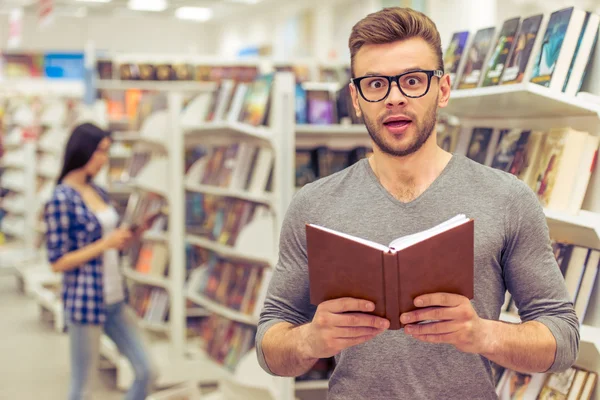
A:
(74, 8)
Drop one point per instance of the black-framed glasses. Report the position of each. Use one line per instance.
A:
(413, 84)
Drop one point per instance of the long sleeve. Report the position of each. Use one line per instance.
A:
(288, 298)
(533, 277)
(58, 213)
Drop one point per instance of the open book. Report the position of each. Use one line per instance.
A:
(439, 259)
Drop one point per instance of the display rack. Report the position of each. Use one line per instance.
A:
(535, 107)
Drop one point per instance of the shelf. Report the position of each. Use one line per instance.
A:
(185, 86)
(238, 194)
(312, 385)
(125, 136)
(221, 310)
(140, 185)
(331, 130)
(197, 312)
(162, 328)
(146, 279)
(582, 229)
(228, 130)
(227, 251)
(525, 100)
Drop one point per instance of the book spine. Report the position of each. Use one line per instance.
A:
(390, 271)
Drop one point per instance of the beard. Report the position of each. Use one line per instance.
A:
(424, 129)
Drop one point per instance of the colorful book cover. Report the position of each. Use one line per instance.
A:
(257, 101)
(547, 168)
(501, 52)
(479, 144)
(447, 136)
(476, 57)
(510, 151)
(521, 54)
(454, 54)
(301, 111)
(551, 46)
(321, 108)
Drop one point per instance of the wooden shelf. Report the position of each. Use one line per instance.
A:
(186, 86)
(238, 194)
(226, 251)
(231, 131)
(221, 310)
(146, 279)
(525, 100)
(312, 385)
(582, 229)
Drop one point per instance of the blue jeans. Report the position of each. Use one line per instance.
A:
(85, 351)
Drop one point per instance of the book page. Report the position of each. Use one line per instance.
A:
(406, 241)
(353, 238)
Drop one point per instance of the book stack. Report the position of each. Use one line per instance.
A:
(218, 218)
(150, 304)
(316, 163)
(235, 285)
(557, 164)
(240, 166)
(553, 51)
(579, 266)
(572, 384)
(225, 341)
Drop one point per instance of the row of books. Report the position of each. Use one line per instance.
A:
(325, 107)
(557, 164)
(552, 51)
(315, 163)
(218, 218)
(579, 266)
(226, 341)
(148, 71)
(145, 208)
(572, 384)
(239, 166)
(153, 259)
(149, 303)
(235, 285)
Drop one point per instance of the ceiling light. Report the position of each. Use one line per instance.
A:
(147, 5)
(194, 13)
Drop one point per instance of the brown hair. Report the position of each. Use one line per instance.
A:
(393, 24)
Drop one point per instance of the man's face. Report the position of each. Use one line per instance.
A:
(400, 125)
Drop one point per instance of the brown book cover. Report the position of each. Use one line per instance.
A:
(437, 260)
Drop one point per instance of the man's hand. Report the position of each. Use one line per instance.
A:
(339, 324)
(458, 323)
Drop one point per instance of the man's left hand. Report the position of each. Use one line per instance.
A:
(457, 322)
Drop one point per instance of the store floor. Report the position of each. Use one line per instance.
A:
(34, 359)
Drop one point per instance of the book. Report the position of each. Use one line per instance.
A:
(557, 385)
(585, 45)
(518, 385)
(588, 388)
(587, 284)
(476, 58)
(454, 55)
(499, 56)
(256, 103)
(510, 151)
(519, 62)
(558, 48)
(480, 144)
(342, 265)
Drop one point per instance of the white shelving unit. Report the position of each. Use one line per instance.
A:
(257, 241)
(530, 106)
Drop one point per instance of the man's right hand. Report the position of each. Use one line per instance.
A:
(339, 324)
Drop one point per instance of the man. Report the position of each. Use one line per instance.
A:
(408, 185)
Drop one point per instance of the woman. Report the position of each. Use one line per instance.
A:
(83, 242)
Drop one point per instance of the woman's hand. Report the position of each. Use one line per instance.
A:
(118, 239)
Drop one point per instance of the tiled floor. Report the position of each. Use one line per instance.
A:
(34, 359)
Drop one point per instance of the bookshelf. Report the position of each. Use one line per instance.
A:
(256, 242)
(531, 106)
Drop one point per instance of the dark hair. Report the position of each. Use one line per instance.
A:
(81, 146)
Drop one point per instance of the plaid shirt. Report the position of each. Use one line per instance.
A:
(71, 225)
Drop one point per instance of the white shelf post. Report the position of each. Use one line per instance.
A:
(29, 148)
